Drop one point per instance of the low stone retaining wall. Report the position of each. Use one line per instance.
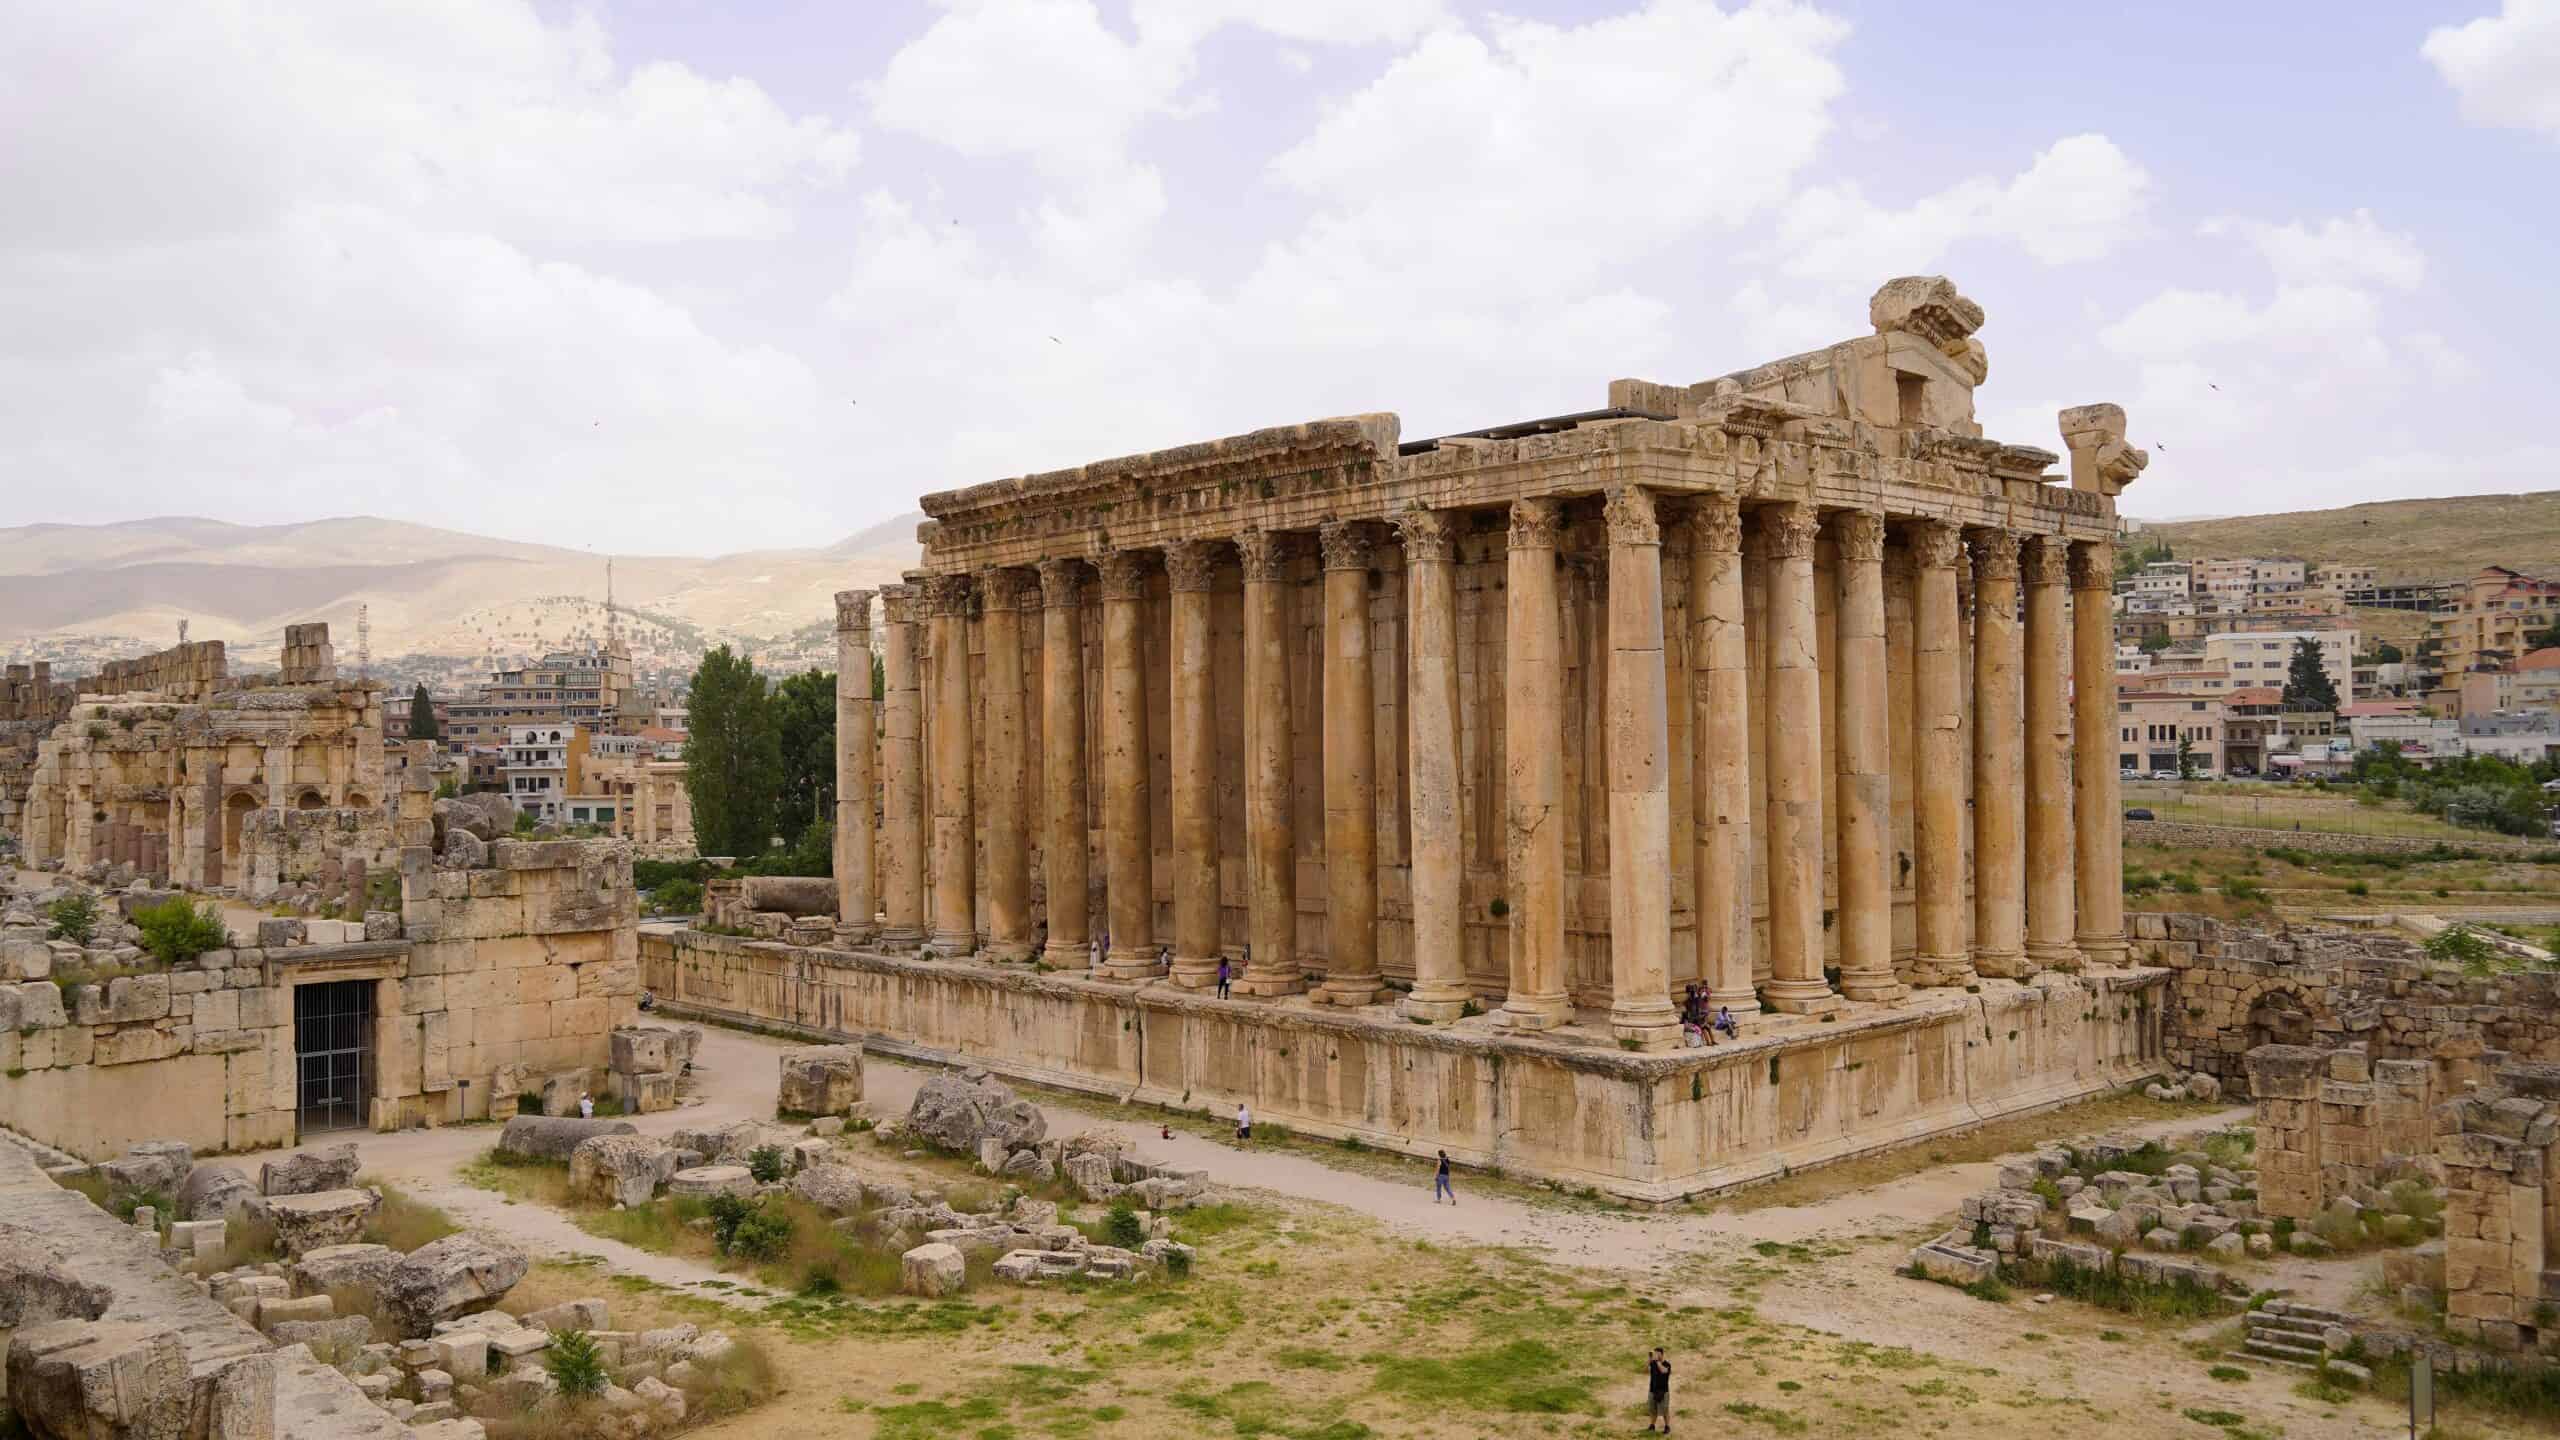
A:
(2181, 834)
(1645, 1127)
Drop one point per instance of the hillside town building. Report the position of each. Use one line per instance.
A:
(593, 688)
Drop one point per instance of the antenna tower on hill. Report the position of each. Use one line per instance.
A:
(364, 641)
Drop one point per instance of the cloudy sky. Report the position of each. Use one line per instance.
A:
(676, 275)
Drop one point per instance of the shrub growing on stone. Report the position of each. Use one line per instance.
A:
(1121, 1228)
(576, 1365)
(766, 1163)
(176, 931)
(73, 917)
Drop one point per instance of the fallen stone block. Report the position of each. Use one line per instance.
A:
(620, 1169)
(836, 1189)
(309, 1172)
(113, 1380)
(569, 1315)
(331, 1217)
(452, 1276)
(953, 1111)
(933, 1271)
(342, 1267)
(705, 1181)
(36, 1287)
(1953, 1262)
(820, 1080)
(158, 1166)
(555, 1137)
(212, 1192)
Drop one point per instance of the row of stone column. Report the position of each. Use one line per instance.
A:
(2018, 680)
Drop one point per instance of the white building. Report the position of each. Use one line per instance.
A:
(2266, 657)
(540, 767)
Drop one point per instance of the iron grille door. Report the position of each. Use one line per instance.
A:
(333, 1044)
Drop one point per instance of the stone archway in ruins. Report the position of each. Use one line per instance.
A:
(235, 809)
(312, 800)
(2280, 1014)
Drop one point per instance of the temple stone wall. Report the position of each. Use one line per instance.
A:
(1649, 1127)
(2239, 987)
(313, 848)
(500, 975)
(2499, 1147)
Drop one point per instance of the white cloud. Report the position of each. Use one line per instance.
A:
(2505, 68)
(2075, 202)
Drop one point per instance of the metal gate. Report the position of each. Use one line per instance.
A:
(333, 1045)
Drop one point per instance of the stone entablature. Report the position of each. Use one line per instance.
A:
(1719, 647)
(501, 976)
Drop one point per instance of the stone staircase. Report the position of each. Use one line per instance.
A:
(2285, 1333)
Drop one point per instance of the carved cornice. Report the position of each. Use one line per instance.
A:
(1995, 555)
(2093, 566)
(1346, 544)
(947, 597)
(2043, 560)
(899, 604)
(1061, 583)
(1430, 536)
(1788, 530)
(1534, 522)
(1933, 544)
(1860, 536)
(853, 611)
(1266, 554)
(1124, 575)
(1628, 513)
(1004, 588)
(1191, 565)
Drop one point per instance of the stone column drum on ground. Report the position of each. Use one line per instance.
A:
(1533, 771)
(1999, 801)
(1720, 766)
(902, 857)
(1938, 815)
(1639, 761)
(2097, 784)
(2052, 941)
(955, 840)
(1191, 567)
(1271, 846)
(1794, 752)
(857, 901)
(1350, 772)
(1440, 992)
(1009, 935)
(1865, 923)
(1128, 843)
(1063, 856)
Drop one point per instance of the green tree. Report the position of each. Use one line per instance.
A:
(879, 679)
(422, 715)
(2307, 682)
(804, 718)
(2385, 653)
(2186, 758)
(732, 756)
(2544, 638)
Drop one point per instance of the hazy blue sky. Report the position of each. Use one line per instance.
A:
(692, 276)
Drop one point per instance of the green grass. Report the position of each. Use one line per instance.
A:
(1777, 1420)
(1256, 1407)
(1518, 1376)
(2181, 1299)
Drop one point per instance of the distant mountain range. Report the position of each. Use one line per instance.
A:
(2405, 540)
(79, 591)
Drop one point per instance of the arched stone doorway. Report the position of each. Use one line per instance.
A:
(312, 800)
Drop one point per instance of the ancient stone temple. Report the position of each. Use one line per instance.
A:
(1763, 684)
(162, 762)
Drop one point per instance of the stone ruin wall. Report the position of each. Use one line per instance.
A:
(2238, 988)
(502, 976)
(181, 672)
(32, 703)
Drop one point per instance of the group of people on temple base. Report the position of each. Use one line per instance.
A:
(1702, 1020)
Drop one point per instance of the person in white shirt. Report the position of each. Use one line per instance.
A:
(1244, 1121)
(586, 1107)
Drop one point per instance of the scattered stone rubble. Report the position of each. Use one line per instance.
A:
(2109, 1219)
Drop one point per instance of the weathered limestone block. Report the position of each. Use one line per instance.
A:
(933, 1271)
(587, 1315)
(101, 1380)
(137, 999)
(158, 1166)
(36, 1288)
(25, 959)
(309, 1172)
(1091, 1176)
(620, 1169)
(343, 1267)
(796, 895)
(456, 1275)
(705, 1181)
(555, 1137)
(330, 1217)
(37, 1006)
(821, 1080)
(835, 1189)
(955, 1111)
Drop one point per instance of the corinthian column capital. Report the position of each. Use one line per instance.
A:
(1629, 515)
(1933, 544)
(1428, 535)
(2043, 560)
(2093, 566)
(1191, 565)
(1788, 530)
(947, 596)
(1346, 544)
(1124, 575)
(853, 612)
(1265, 553)
(1534, 522)
(1995, 554)
(1061, 582)
(1003, 589)
(1860, 536)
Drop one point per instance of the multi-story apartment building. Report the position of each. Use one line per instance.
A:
(2484, 625)
(2150, 724)
(591, 689)
(2165, 581)
(2257, 658)
(545, 766)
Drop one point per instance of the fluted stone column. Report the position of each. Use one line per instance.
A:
(2096, 783)
(1128, 842)
(1999, 800)
(1062, 777)
(1008, 858)
(1794, 746)
(1191, 566)
(857, 897)
(1720, 763)
(902, 816)
(1350, 771)
(1533, 772)
(1938, 814)
(1639, 760)
(1440, 992)
(1271, 832)
(1865, 921)
(2052, 911)
(955, 841)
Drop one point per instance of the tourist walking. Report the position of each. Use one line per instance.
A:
(1657, 1375)
(1244, 1121)
(1226, 976)
(1440, 1182)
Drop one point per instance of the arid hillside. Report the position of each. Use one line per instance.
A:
(2443, 539)
(89, 589)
